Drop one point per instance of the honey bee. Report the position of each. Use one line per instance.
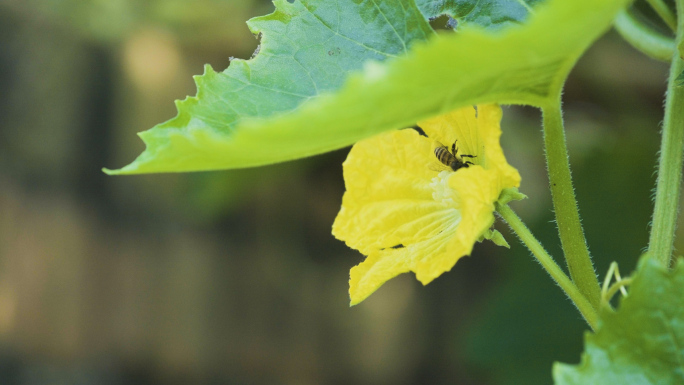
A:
(451, 159)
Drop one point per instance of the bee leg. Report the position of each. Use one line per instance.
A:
(468, 156)
(454, 149)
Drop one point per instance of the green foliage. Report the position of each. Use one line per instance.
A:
(641, 342)
(308, 51)
(491, 14)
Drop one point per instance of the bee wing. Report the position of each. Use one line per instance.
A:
(438, 166)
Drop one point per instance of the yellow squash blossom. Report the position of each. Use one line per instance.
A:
(406, 216)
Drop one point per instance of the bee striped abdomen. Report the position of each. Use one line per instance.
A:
(444, 156)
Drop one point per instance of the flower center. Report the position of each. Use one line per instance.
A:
(441, 192)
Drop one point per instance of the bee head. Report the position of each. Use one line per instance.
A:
(455, 165)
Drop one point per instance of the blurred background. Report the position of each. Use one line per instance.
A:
(233, 277)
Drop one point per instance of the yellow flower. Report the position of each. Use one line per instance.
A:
(404, 215)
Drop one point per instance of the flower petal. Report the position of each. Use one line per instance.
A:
(389, 200)
(460, 125)
(430, 258)
(489, 117)
(382, 265)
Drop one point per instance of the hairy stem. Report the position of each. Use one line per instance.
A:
(583, 305)
(670, 163)
(565, 205)
(644, 38)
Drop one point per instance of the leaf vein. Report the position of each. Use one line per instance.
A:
(403, 43)
(337, 33)
(268, 88)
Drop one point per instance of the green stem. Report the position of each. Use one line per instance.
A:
(567, 214)
(580, 301)
(664, 12)
(670, 163)
(644, 38)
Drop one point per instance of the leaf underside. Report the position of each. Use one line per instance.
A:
(641, 343)
(331, 73)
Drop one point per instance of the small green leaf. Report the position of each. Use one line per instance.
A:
(496, 237)
(296, 98)
(641, 343)
(509, 195)
(487, 13)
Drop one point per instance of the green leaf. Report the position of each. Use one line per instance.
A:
(641, 343)
(509, 195)
(281, 105)
(496, 237)
(487, 13)
(307, 48)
